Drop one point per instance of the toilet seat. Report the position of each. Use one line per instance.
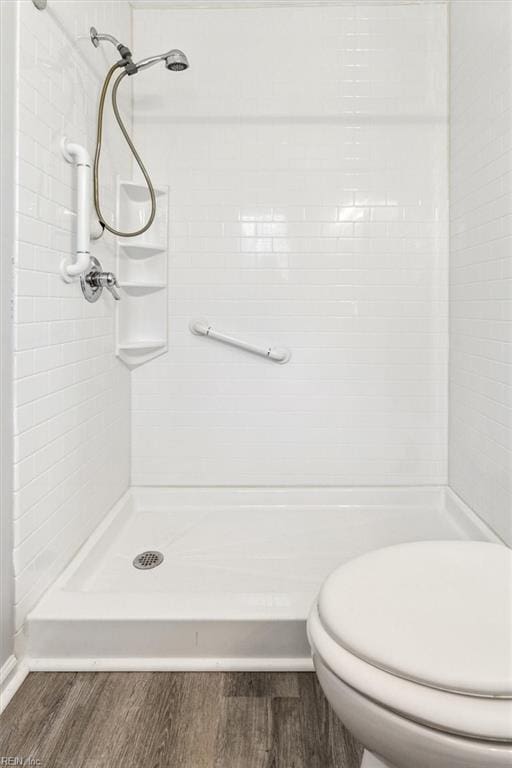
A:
(486, 719)
(438, 613)
(424, 629)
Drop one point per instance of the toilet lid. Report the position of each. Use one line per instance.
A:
(437, 613)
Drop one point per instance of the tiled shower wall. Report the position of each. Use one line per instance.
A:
(481, 259)
(306, 153)
(72, 396)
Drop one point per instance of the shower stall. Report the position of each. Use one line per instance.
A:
(307, 231)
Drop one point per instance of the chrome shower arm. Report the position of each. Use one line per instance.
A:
(98, 37)
(126, 54)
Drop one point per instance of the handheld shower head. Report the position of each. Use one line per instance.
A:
(175, 60)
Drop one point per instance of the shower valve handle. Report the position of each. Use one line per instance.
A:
(104, 280)
(111, 285)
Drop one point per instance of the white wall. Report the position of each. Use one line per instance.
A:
(7, 216)
(481, 259)
(71, 394)
(306, 153)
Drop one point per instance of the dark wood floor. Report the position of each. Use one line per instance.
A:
(175, 720)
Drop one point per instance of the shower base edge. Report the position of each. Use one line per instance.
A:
(176, 664)
(241, 569)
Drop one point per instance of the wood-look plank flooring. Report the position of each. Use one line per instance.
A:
(175, 720)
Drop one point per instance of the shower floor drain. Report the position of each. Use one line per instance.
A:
(147, 560)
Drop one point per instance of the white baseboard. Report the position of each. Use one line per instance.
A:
(12, 675)
(176, 664)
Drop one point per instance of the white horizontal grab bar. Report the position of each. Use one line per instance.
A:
(277, 354)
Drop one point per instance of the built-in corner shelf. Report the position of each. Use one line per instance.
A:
(141, 287)
(138, 192)
(142, 276)
(141, 250)
(141, 345)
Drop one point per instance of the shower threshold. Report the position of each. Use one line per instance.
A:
(239, 573)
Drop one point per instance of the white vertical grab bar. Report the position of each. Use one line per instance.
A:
(79, 156)
(277, 354)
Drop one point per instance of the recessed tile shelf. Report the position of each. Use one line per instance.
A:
(142, 276)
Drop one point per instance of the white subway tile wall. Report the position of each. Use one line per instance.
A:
(72, 397)
(306, 153)
(480, 456)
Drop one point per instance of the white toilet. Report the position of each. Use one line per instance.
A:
(412, 646)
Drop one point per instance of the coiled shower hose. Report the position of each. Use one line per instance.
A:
(136, 155)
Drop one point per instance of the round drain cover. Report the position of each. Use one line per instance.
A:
(147, 560)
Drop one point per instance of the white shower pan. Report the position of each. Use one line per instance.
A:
(241, 569)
